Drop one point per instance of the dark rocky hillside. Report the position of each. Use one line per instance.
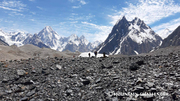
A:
(173, 39)
(134, 78)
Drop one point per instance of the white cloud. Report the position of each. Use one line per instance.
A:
(12, 6)
(148, 10)
(82, 2)
(34, 13)
(31, 0)
(101, 33)
(32, 20)
(76, 17)
(76, 6)
(15, 13)
(39, 7)
(91, 31)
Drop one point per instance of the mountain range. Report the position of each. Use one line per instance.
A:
(127, 38)
(48, 38)
(130, 38)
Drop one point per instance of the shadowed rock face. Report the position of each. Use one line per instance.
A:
(95, 79)
(173, 39)
(3, 43)
(35, 40)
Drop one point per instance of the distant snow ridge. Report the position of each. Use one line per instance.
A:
(47, 37)
(130, 38)
(14, 38)
(165, 33)
(72, 43)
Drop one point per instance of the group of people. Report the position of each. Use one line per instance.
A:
(95, 53)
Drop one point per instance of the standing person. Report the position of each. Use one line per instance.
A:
(95, 53)
(104, 54)
(89, 54)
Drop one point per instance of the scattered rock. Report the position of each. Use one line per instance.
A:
(148, 96)
(5, 80)
(85, 81)
(140, 62)
(59, 67)
(178, 78)
(107, 67)
(28, 82)
(138, 89)
(21, 72)
(150, 84)
(116, 62)
(134, 67)
(30, 93)
(24, 99)
(98, 80)
(8, 91)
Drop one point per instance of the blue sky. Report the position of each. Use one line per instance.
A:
(92, 18)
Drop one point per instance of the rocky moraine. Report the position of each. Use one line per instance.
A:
(134, 78)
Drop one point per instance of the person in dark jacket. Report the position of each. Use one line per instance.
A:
(89, 54)
(104, 55)
(95, 53)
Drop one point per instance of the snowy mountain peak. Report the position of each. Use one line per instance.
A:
(121, 19)
(165, 33)
(2, 32)
(139, 23)
(48, 33)
(48, 28)
(173, 39)
(130, 37)
(74, 39)
(137, 19)
(82, 37)
(49, 37)
(83, 40)
(96, 43)
(73, 36)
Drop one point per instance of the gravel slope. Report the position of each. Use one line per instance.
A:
(92, 79)
(30, 51)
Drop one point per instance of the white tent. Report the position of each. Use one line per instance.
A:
(85, 54)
